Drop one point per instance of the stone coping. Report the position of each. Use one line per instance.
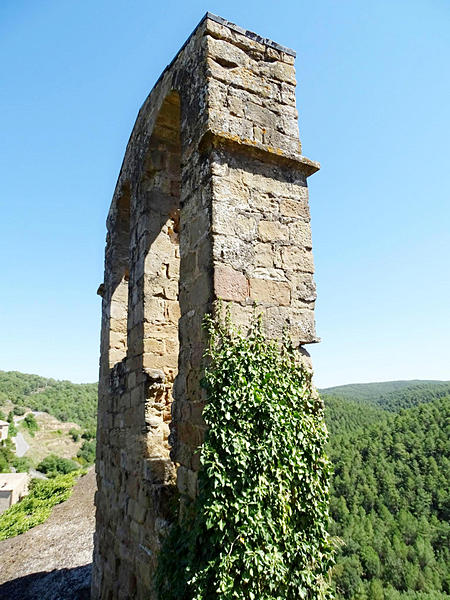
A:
(261, 151)
(250, 34)
(221, 21)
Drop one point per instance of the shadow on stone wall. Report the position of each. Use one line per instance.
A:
(60, 584)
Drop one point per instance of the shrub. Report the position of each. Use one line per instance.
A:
(21, 464)
(257, 530)
(86, 453)
(89, 434)
(12, 430)
(75, 433)
(19, 410)
(31, 424)
(53, 464)
(6, 455)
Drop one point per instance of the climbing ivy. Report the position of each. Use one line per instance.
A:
(257, 530)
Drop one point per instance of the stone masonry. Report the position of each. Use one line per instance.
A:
(211, 202)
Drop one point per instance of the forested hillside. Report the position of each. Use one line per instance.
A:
(390, 495)
(344, 416)
(390, 503)
(391, 395)
(65, 400)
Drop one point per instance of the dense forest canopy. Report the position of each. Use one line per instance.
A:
(390, 500)
(344, 416)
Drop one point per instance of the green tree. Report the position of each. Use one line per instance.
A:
(31, 424)
(376, 590)
(54, 464)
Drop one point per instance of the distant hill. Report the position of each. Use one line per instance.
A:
(391, 395)
(371, 391)
(344, 416)
(64, 400)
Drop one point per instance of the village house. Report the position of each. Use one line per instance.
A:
(4, 427)
(13, 487)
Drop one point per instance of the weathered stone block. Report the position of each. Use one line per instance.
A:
(264, 255)
(230, 284)
(297, 259)
(266, 291)
(273, 231)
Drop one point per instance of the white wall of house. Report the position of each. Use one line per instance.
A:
(13, 487)
(4, 427)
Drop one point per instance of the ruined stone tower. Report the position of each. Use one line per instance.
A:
(211, 202)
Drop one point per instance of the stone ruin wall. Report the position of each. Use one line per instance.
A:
(211, 202)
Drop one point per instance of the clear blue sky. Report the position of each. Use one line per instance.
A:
(373, 95)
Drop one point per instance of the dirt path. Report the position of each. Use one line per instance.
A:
(53, 561)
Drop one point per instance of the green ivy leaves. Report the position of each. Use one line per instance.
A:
(258, 527)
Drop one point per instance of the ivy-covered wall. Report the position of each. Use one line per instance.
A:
(258, 528)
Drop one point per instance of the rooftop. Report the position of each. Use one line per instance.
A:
(9, 481)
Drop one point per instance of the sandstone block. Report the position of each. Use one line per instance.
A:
(295, 208)
(241, 315)
(173, 312)
(264, 255)
(300, 234)
(273, 231)
(173, 270)
(119, 310)
(166, 362)
(270, 292)
(117, 339)
(304, 288)
(226, 220)
(264, 203)
(230, 189)
(303, 330)
(245, 227)
(154, 346)
(136, 511)
(226, 54)
(159, 470)
(171, 345)
(297, 259)
(154, 309)
(171, 290)
(230, 284)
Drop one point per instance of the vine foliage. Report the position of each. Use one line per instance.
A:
(258, 528)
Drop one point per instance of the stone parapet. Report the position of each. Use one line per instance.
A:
(211, 202)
